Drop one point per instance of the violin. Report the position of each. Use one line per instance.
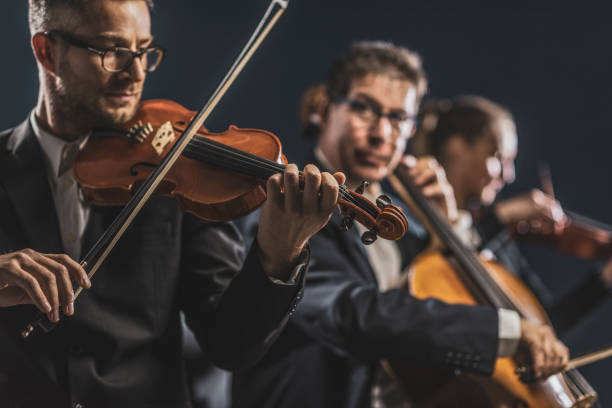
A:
(220, 176)
(165, 149)
(580, 236)
(451, 272)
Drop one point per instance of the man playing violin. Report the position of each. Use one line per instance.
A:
(351, 317)
(121, 345)
(475, 140)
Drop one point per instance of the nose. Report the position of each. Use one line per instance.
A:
(382, 130)
(136, 70)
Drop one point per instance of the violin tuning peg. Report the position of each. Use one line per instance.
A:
(382, 201)
(347, 222)
(369, 237)
(362, 187)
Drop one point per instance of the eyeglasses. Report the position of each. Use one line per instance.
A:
(370, 114)
(117, 59)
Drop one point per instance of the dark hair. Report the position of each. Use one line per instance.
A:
(43, 15)
(470, 117)
(310, 104)
(375, 57)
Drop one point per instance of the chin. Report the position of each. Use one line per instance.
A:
(370, 174)
(120, 115)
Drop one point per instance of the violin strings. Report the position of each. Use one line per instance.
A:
(247, 163)
(205, 145)
(240, 158)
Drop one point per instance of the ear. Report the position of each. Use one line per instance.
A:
(322, 108)
(44, 51)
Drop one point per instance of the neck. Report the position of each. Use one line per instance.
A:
(53, 121)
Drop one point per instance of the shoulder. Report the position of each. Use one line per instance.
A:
(4, 138)
(12, 138)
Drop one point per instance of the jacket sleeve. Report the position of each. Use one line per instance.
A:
(344, 309)
(230, 303)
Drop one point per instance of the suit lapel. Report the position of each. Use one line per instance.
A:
(24, 177)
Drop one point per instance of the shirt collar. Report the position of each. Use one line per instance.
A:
(52, 145)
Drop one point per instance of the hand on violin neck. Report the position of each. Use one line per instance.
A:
(540, 348)
(45, 280)
(430, 177)
(533, 212)
(290, 216)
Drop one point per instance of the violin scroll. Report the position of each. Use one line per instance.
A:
(381, 219)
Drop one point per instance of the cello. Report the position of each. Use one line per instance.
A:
(451, 272)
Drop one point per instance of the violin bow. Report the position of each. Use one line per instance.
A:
(107, 241)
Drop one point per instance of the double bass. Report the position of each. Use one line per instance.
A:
(451, 272)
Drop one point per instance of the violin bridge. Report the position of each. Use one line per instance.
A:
(165, 134)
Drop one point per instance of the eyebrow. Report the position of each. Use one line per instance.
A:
(378, 104)
(116, 39)
(368, 98)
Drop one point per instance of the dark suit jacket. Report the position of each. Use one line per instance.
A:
(122, 348)
(345, 325)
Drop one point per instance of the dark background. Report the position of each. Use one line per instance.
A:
(549, 66)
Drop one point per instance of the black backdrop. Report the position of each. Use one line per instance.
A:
(549, 66)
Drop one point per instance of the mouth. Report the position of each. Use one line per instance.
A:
(122, 97)
(368, 158)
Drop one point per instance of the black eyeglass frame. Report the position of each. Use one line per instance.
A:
(391, 116)
(101, 52)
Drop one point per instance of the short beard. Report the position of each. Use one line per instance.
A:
(69, 101)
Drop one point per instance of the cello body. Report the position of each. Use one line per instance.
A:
(456, 275)
(433, 275)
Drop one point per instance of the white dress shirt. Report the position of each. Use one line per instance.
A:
(72, 212)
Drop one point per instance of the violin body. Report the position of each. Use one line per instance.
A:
(219, 177)
(205, 190)
(432, 275)
(581, 239)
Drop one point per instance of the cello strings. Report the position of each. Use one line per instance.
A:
(488, 285)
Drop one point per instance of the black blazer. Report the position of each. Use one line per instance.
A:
(345, 325)
(122, 348)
